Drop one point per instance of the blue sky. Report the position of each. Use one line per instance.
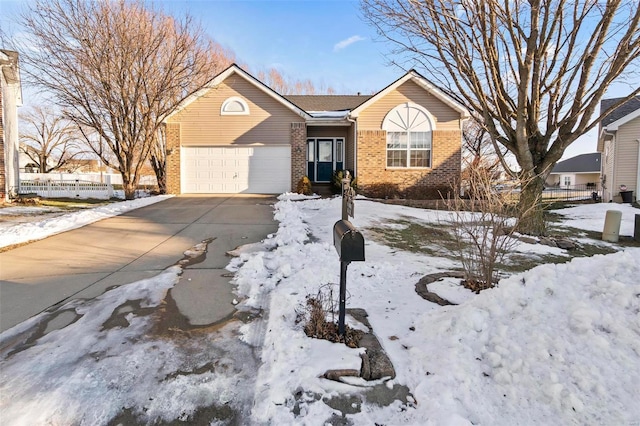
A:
(325, 41)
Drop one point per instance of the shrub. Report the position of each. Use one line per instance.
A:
(314, 316)
(483, 227)
(304, 186)
(382, 190)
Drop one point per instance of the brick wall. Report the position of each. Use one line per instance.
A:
(298, 153)
(173, 159)
(445, 164)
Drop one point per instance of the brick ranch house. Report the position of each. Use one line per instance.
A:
(239, 136)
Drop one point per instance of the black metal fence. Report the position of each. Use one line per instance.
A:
(587, 191)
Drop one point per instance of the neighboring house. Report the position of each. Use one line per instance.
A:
(619, 142)
(10, 100)
(238, 135)
(579, 170)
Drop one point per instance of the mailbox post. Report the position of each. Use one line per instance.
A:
(349, 244)
(348, 194)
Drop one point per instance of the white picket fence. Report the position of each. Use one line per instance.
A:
(114, 178)
(67, 189)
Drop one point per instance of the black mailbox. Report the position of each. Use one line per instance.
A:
(348, 242)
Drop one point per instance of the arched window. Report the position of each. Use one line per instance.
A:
(234, 106)
(409, 133)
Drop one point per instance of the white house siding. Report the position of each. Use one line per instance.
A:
(626, 171)
(608, 157)
(10, 103)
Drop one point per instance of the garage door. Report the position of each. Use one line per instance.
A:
(232, 170)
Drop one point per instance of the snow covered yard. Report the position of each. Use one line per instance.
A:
(557, 344)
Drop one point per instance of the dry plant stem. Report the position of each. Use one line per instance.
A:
(483, 226)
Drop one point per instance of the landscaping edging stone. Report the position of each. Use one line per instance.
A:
(375, 362)
(423, 290)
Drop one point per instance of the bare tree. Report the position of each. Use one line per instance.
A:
(290, 86)
(50, 141)
(477, 149)
(117, 67)
(534, 71)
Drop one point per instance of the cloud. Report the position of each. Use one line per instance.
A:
(346, 42)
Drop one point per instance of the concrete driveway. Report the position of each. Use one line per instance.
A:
(83, 263)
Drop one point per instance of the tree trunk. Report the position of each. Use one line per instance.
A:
(160, 169)
(129, 186)
(530, 207)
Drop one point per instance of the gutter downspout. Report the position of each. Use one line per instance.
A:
(638, 172)
(612, 178)
(355, 145)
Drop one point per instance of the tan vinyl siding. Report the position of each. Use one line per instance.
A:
(446, 117)
(587, 178)
(626, 166)
(268, 123)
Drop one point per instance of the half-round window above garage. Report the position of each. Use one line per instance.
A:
(234, 106)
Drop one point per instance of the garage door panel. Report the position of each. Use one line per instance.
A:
(258, 170)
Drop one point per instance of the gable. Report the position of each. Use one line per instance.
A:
(372, 115)
(267, 122)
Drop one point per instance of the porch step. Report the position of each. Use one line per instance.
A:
(322, 189)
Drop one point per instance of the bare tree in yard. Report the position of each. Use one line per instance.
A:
(534, 71)
(477, 149)
(117, 68)
(50, 141)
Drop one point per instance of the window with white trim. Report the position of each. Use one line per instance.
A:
(409, 135)
(234, 106)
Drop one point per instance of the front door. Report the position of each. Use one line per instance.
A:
(324, 163)
(324, 157)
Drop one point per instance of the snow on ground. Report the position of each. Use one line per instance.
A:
(38, 230)
(555, 345)
(590, 217)
(558, 344)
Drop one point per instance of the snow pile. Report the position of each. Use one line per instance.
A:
(555, 345)
(24, 232)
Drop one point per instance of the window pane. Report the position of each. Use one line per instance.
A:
(396, 158)
(325, 149)
(339, 150)
(310, 150)
(421, 140)
(396, 140)
(420, 158)
(234, 106)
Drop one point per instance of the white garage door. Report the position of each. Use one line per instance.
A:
(232, 170)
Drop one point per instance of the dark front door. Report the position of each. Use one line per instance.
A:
(324, 164)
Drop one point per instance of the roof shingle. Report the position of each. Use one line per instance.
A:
(327, 102)
(623, 110)
(585, 163)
